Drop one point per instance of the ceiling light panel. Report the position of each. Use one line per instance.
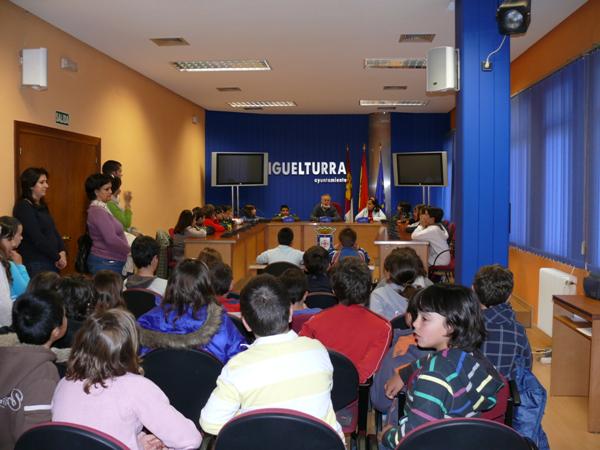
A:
(222, 65)
(170, 42)
(417, 37)
(393, 103)
(263, 104)
(395, 63)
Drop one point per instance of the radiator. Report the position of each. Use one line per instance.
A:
(552, 282)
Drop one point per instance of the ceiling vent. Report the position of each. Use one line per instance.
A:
(229, 89)
(387, 103)
(170, 42)
(395, 88)
(417, 37)
(386, 108)
(395, 63)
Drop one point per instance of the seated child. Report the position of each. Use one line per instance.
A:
(144, 251)
(391, 299)
(11, 235)
(221, 279)
(190, 316)
(350, 327)
(454, 381)
(506, 342)
(77, 294)
(103, 388)
(43, 281)
(432, 230)
(108, 287)
(227, 220)
(185, 228)
(296, 285)
(284, 251)
(28, 375)
(284, 212)
(347, 247)
(279, 369)
(316, 265)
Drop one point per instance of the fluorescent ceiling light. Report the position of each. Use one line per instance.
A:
(395, 63)
(393, 103)
(222, 65)
(417, 37)
(263, 104)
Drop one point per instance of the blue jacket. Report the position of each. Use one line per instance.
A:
(528, 415)
(210, 329)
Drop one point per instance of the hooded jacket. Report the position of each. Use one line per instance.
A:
(28, 378)
(445, 384)
(506, 340)
(208, 329)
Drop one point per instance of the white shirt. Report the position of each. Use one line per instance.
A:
(5, 301)
(280, 253)
(377, 216)
(438, 242)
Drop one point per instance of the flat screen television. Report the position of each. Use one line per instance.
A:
(420, 169)
(239, 169)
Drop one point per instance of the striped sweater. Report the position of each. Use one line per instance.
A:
(279, 371)
(449, 383)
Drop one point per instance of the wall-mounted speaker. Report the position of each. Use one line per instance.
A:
(34, 62)
(442, 70)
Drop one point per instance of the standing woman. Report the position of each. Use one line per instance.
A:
(109, 245)
(42, 248)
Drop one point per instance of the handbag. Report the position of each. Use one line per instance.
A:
(84, 245)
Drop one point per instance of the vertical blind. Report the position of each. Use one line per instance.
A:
(554, 164)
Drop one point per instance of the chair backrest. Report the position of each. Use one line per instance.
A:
(277, 268)
(464, 434)
(321, 300)
(345, 380)
(498, 412)
(399, 323)
(140, 301)
(338, 208)
(62, 435)
(277, 429)
(242, 329)
(186, 376)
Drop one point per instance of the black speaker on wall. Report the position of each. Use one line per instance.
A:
(513, 16)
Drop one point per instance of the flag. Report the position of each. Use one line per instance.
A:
(363, 195)
(379, 191)
(349, 203)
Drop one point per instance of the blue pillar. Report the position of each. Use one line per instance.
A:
(481, 184)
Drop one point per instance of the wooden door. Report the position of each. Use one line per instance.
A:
(69, 159)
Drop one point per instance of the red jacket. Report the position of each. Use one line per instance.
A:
(354, 331)
(212, 223)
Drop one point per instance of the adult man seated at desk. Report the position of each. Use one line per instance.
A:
(325, 209)
(283, 252)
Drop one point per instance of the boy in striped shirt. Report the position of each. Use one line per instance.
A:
(454, 381)
(279, 370)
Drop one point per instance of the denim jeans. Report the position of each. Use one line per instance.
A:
(95, 264)
(35, 267)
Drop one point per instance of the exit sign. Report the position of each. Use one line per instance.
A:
(62, 118)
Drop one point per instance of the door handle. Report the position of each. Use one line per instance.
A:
(66, 238)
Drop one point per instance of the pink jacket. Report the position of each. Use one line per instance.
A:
(128, 403)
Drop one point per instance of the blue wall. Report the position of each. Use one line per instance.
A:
(315, 138)
(287, 138)
(419, 133)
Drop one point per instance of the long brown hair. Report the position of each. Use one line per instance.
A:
(105, 347)
(108, 286)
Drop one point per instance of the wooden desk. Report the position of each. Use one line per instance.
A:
(575, 367)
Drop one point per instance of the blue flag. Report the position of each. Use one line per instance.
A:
(379, 191)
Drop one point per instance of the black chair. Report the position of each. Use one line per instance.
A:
(62, 435)
(399, 323)
(277, 429)
(241, 328)
(321, 300)
(465, 434)
(186, 376)
(140, 301)
(277, 268)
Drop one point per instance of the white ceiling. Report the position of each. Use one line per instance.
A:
(315, 47)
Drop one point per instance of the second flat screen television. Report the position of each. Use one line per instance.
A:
(420, 169)
(239, 169)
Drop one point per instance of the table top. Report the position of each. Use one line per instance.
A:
(581, 303)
